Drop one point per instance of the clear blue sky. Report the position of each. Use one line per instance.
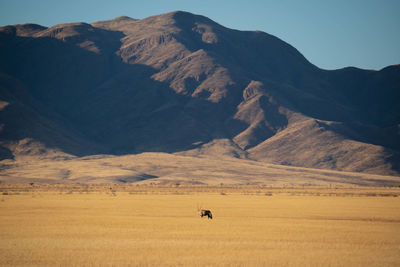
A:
(331, 34)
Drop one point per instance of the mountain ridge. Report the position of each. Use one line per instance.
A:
(112, 85)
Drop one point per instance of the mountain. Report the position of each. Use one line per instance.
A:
(181, 83)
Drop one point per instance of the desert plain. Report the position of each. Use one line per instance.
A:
(142, 210)
(158, 225)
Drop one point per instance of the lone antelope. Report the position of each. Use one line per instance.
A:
(203, 213)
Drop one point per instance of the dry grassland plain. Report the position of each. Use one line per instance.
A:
(131, 225)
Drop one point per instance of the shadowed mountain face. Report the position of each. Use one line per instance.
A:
(181, 83)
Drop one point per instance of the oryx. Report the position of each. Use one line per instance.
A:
(203, 213)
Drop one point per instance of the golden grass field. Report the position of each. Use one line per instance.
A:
(143, 225)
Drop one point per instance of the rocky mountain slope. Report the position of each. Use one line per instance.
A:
(182, 83)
